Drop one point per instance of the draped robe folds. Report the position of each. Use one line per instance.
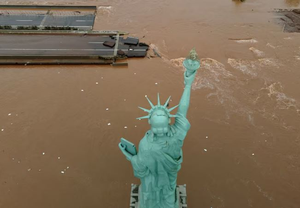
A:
(156, 165)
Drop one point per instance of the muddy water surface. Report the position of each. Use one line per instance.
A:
(60, 125)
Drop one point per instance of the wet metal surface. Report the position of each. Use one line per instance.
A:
(62, 124)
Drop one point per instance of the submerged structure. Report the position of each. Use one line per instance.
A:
(289, 19)
(160, 151)
(61, 35)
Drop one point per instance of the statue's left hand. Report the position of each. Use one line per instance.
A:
(127, 154)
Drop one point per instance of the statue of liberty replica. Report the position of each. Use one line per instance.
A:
(160, 151)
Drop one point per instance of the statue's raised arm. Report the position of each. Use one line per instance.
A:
(191, 65)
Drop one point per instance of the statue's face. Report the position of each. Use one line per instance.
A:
(159, 122)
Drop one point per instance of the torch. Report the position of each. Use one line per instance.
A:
(191, 63)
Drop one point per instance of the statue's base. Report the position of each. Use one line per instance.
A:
(180, 196)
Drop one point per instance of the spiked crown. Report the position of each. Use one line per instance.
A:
(156, 107)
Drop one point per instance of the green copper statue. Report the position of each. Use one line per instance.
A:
(160, 151)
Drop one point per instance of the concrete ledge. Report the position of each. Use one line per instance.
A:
(63, 32)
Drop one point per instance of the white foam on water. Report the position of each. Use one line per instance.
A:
(275, 91)
(265, 62)
(214, 76)
(105, 10)
(247, 67)
(252, 68)
(177, 62)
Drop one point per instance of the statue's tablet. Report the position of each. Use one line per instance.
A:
(129, 147)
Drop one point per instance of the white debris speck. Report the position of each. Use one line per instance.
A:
(205, 150)
(134, 73)
(124, 99)
(265, 140)
(2, 129)
(109, 124)
(156, 83)
(43, 153)
(146, 96)
(62, 172)
(28, 169)
(68, 167)
(125, 127)
(206, 137)
(135, 126)
(97, 83)
(101, 77)
(58, 158)
(9, 114)
(253, 154)
(82, 90)
(13, 158)
(107, 109)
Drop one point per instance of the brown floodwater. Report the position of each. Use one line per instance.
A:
(58, 151)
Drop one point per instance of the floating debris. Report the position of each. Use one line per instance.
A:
(156, 53)
(247, 40)
(2, 129)
(257, 52)
(68, 167)
(156, 83)
(97, 83)
(9, 114)
(253, 154)
(124, 99)
(82, 90)
(271, 46)
(29, 169)
(107, 109)
(206, 137)
(62, 172)
(43, 153)
(109, 124)
(58, 158)
(125, 127)
(205, 150)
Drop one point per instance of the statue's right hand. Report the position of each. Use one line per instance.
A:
(189, 78)
(127, 154)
